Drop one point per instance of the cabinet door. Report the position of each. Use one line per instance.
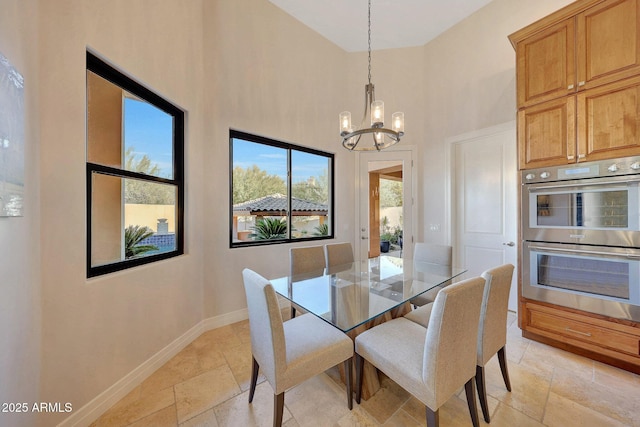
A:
(546, 64)
(609, 121)
(546, 134)
(608, 43)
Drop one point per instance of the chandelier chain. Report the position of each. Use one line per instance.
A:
(382, 137)
(369, 25)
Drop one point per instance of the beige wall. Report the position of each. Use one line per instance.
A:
(96, 331)
(268, 75)
(242, 64)
(20, 290)
(469, 84)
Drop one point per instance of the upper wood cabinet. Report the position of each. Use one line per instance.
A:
(586, 44)
(608, 121)
(596, 124)
(608, 43)
(546, 64)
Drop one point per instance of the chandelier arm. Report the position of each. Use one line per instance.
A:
(390, 132)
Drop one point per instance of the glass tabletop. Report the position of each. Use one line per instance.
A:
(349, 295)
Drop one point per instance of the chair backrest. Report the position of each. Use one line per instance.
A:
(265, 323)
(450, 348)
(336, 254)
(492, 332)
(306, 261)
(433, 253)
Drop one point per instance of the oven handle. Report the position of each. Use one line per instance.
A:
(551, 187)
(582, 251)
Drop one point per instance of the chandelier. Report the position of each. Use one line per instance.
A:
(381, 137)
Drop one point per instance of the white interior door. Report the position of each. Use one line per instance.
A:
(381, 161)
(484, 201)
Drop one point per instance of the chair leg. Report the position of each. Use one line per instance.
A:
(359, 363)
(433, 417)
(482, 393)
(293, 312)
(502, 358)
(278, 408)
(348, 371)
(254, 379)
(470, 391)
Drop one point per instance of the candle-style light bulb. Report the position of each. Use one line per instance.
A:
(345, 123)
(377, 113)
(397, 122)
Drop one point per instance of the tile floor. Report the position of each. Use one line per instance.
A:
(206, 385)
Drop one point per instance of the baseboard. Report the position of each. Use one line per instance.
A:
(90, 412)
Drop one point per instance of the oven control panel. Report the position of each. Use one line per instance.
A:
(601, 168)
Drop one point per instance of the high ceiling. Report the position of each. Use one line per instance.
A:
(394, 23)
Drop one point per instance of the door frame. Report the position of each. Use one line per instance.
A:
(410, 232)
(450, 172)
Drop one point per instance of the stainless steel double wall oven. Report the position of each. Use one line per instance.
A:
(581, 232)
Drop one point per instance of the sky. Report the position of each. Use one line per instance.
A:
(274, 160)
(150, 131)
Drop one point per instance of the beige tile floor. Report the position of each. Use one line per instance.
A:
(206, 385)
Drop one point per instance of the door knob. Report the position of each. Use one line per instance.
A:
(364, 238)
(509, 244)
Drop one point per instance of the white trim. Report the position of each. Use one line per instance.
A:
(105, 400)
(90, 412)
(359, 187)
(224, 319)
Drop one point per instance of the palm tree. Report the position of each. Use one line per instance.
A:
(133, 235)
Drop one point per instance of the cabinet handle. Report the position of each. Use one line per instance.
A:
(570, 157)
(570, 87)
(586, 334)
(582, 156)
(581, 83)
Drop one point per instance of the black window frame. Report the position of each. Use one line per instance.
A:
(107, 72)
(236, 134)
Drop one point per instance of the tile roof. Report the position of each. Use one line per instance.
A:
(278, 203)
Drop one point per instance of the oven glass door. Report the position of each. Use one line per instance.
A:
(584, 212)
(582, 277)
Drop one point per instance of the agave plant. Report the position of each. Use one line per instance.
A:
(133, 235)
(270, 228)
(321, 230)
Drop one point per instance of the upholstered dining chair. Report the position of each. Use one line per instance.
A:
(293, 351)
(305, 261)
(337, 254)
(492, 331)
(434, 254)
(432, 363)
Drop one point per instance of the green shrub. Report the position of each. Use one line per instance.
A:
(270, 228)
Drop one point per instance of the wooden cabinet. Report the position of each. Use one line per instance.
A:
(608, 121)
(614, 342)
(597, 46)
(577, 86)
(578, 99)
(596, 124)
(546, 64)
(607, 43)
(546, 133)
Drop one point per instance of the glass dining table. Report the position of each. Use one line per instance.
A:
(357, 296)
(350, 295)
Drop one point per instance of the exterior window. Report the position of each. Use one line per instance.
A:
(135, 184)
(279, 192)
